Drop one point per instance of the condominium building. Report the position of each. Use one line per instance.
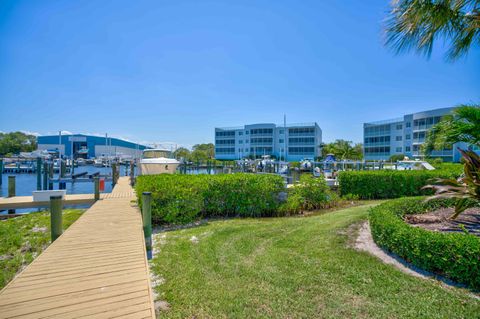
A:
(405, 135)
(291, 142)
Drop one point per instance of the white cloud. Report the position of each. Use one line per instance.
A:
(31, 133)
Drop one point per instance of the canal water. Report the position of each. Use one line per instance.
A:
(27, 183)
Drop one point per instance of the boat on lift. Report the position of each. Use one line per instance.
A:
(158, 161)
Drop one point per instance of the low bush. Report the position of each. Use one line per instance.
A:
(183, 198)
(309, 193)
(390, 183)
(453, 255)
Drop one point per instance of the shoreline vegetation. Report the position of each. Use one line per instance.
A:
(23, 238)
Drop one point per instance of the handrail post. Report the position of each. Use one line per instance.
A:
(55, 216)
(147, 221)
(96, 180)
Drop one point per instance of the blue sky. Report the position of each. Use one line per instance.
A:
(173, 70)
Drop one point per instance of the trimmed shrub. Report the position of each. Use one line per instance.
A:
(309, 194)
(183, 198)
(390, 183)
(453, 255)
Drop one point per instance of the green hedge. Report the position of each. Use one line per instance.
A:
(453, 255)
(390, 183)
(182, 198)
(309, 193)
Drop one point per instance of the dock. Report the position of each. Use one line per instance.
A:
(97, 268)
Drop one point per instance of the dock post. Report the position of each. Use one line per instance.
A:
(96, 180)
(39, 173)
(56, 216)
(45, 175)
(11, 190)
(1, 170)
(50, 176)
(63, 169)
(11, 186)
(132, 173)
(147, 221)
(114, 174)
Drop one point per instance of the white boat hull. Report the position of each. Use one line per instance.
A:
(157, 168)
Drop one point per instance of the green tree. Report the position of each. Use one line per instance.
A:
(343, 149)
(416, 24)
(463, 125)
(202, 152)
(182, 152)
(16, 142)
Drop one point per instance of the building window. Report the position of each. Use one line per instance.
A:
(225, 133)
(240, 133)
(225, 142)
(240, 142)
(281, 141)
(398, 149)
(407, 148)
(281, 131)
(398, 138)
(300, 150)
(247, 132)
(399, 126)
(408, 124)
(407, 137)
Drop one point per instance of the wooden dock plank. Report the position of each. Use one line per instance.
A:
(96, 269)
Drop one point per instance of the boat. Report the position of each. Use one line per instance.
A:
(306, 164)
(157, 161)
(98, 162)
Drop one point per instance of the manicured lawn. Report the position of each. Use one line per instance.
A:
(300, 267)
(23, 238)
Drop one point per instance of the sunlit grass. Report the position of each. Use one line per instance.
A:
(300, 267)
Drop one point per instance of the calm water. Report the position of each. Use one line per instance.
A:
(27, 183)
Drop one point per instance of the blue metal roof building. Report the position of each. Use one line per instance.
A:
(89, 146)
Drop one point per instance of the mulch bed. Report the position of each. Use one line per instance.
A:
(438, 220)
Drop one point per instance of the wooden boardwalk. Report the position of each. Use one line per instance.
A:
(96, 269)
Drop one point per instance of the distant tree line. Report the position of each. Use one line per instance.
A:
(199, 153)
(343, 150)
(16, 142)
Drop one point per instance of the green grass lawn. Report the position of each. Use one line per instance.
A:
(299, 267)
(23, 238)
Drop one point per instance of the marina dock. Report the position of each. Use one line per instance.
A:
(96, 269)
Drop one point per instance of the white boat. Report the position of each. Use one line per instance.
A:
(98, 162)
(157, 161)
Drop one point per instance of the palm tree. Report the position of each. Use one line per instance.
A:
(463, 125)
(415, 24)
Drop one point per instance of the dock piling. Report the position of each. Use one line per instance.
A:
(50, 176)
(147, 221)
(1, 171)
(63, 172)
(45, 175)
(96, 180)
(39, 173)
(11, 186)
(132, 173)
(55, 216)
(11, 190)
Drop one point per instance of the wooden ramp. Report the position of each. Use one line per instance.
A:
(96, 269)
